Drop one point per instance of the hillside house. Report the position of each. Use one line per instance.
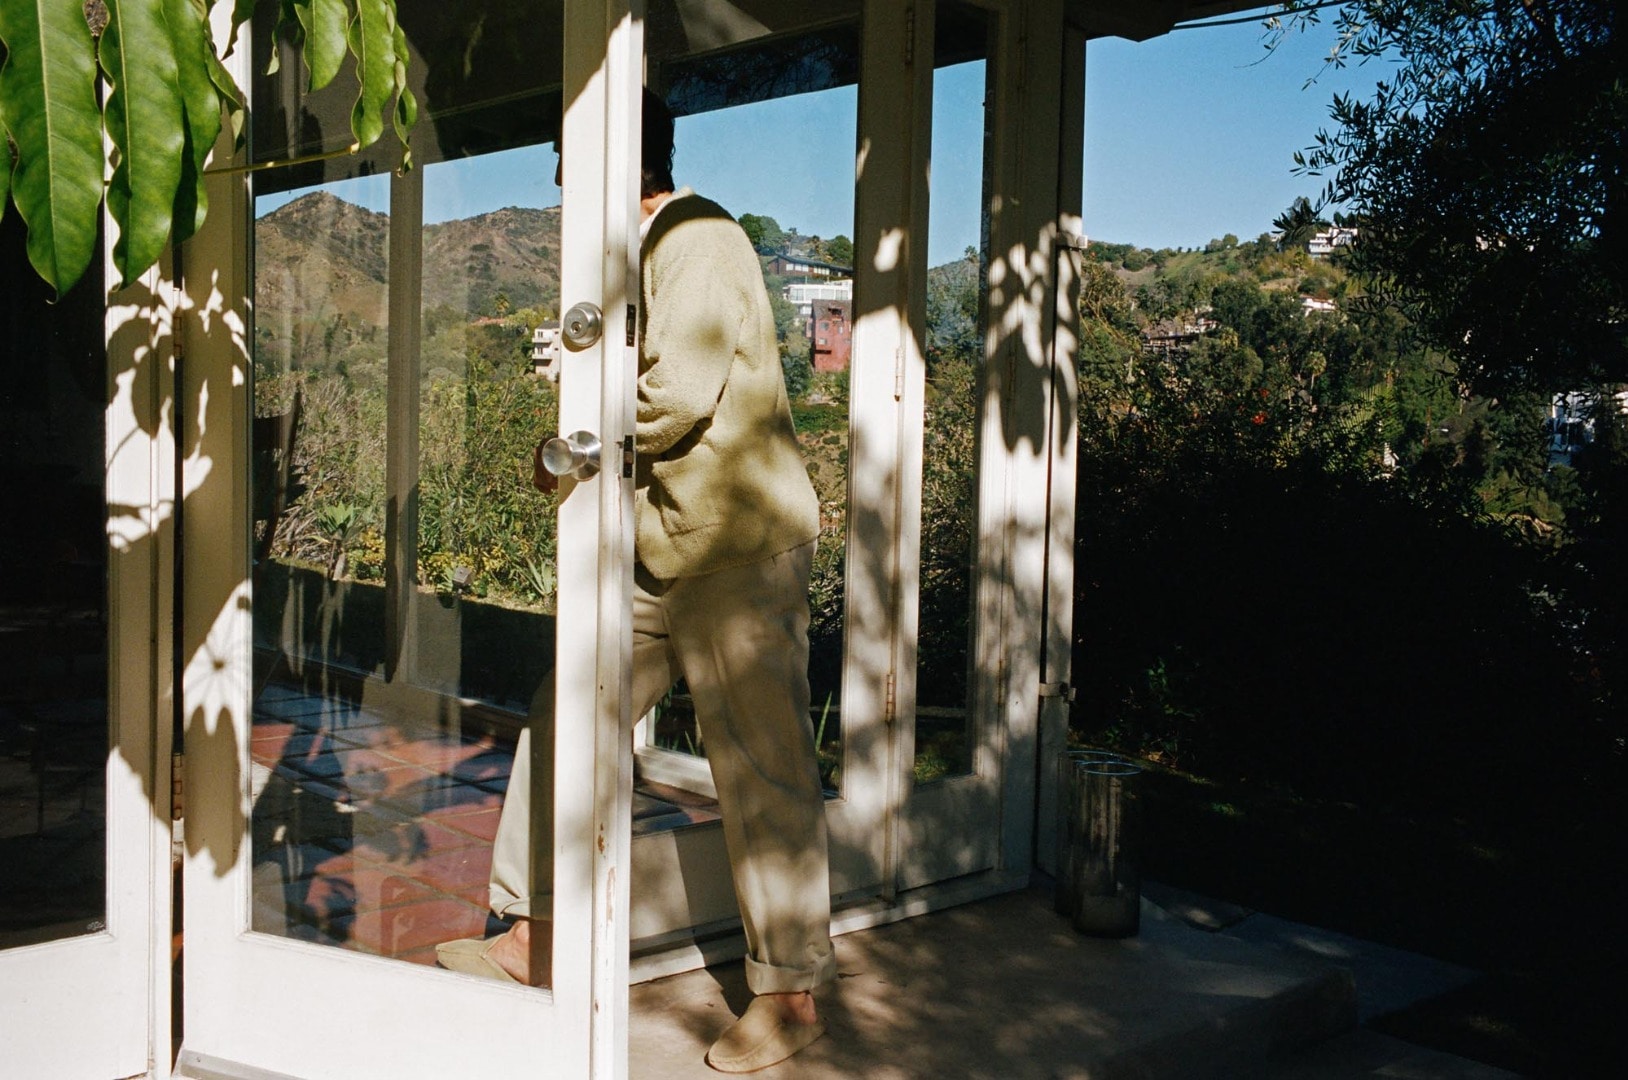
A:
(806, 294)
(805, 268)
(1330, 240)
(830, 331)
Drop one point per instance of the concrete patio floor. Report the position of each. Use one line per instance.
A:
(1004, 988)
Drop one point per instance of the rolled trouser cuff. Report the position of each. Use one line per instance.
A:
(505, 905)
(764, 978)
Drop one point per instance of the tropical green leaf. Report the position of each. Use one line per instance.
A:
(323, 23)
(231, 95)
(146, 123)
(405, 114)
(242, 11)
(286, 19)
(48, 99)
(189, 36)
(373, 43)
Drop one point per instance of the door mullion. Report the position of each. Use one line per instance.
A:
(401, 423)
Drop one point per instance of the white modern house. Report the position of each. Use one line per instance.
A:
(806, 294)
(1330, 240)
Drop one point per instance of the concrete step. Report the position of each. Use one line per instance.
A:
(1368, 1055)
(1004, 988)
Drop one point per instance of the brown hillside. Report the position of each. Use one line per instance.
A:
(321, 271)
(322, 258)
(515, 251)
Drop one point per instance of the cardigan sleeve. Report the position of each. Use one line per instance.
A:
(692, 330)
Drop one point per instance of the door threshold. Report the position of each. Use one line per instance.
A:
(718, 943)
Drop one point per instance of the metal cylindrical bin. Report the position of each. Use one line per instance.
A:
(1068, 822)
(1099, 883)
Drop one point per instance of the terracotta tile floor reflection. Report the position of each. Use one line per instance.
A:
(373, 837)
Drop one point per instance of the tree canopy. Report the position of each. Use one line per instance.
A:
(1487, 178)
(163, 91)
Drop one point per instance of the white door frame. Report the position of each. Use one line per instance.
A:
(118, 977)
(984, 823)
(899, 848)
(258, 1004)
(953, 827)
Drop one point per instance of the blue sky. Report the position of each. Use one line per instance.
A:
(1191, 135)
(1187, 137)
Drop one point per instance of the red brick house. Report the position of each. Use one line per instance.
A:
(831, 334)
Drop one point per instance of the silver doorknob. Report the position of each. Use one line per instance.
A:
(575, 455)
(582, 325)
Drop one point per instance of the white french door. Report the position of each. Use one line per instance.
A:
(936, 514)
(344, 781)
(84, 679)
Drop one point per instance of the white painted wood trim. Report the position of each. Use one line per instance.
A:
(888, 226)
(1064, 441)
(951, 827)
(623, 44)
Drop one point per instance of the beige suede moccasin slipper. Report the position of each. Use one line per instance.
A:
(469, 957)
(760, 1038)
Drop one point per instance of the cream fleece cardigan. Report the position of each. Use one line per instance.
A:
(720, 480)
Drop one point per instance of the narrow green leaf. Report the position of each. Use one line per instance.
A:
(323, 22)
(242, 11)
(48, 91)
(146, 123)
(5, 166)
(189, 36)
(372, 42)
(405, 114)
(286, 18)
(231, 95)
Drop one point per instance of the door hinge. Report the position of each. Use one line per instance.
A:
(627, 457)
(910, 34)
(178, 765)
(890, 706)
(632, 324)
(178, 847)
(1057, 689)
(898, 373)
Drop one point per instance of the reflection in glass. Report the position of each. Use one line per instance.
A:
(384, 724)
(486, 541)
(53, 604)
(956, 287)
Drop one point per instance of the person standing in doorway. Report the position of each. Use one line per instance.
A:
(725, 521)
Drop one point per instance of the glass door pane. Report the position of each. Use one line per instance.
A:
(766, 126)
(53, 606)
(377, 777)
(957, 287)
(796, 203)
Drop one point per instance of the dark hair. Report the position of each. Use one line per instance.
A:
(656, 166)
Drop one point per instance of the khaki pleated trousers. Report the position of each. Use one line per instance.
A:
(739, 637)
